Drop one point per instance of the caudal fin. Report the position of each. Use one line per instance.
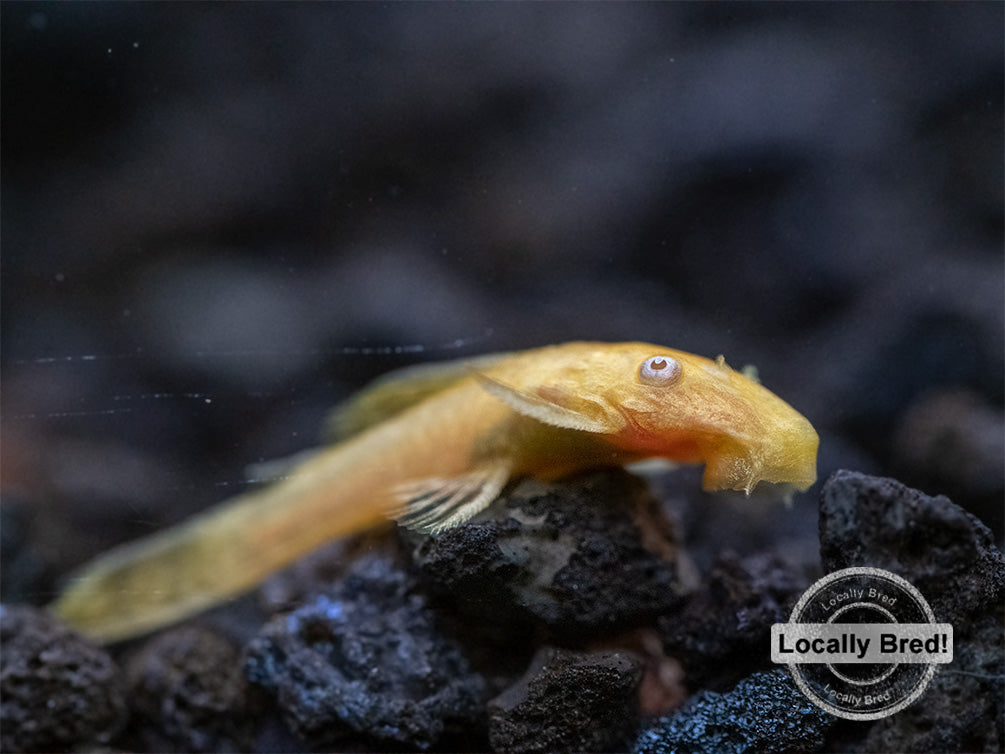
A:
(144, 585)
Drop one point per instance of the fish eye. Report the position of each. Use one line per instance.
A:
(659, 371)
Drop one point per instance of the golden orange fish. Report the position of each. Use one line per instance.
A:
(433, 445)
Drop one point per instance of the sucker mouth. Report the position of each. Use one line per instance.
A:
(730, 472)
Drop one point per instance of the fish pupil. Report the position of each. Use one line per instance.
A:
(659, 371)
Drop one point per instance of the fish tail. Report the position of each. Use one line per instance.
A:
(150, 583)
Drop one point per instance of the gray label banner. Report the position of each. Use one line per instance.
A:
(865, 643)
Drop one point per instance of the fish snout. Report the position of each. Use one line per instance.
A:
(784, 454)
(789, 454)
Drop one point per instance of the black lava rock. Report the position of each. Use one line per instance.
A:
(765, 712)
(57, 690)
(189, 691)
(586, 557)
(568, 701)
(720, 635)
(961, 710)
(365, 661)
(947, 553)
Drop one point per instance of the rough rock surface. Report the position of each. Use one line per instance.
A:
(189, 692)
(720, 635)
(583, 558)
(961, 710)
(947, 553)
(57, 690)
(765, 712)
(568, 701)
(365, 662)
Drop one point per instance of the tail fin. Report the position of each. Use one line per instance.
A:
(144, 585)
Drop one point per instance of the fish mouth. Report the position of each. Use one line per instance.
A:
(789, 460)
(730, 472)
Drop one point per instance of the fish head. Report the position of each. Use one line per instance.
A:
(691, 409)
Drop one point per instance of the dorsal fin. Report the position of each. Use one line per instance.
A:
(396, 391)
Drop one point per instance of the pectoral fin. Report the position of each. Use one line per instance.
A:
(556, 406)
(436, 504)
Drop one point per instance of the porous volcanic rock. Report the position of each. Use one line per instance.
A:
(765, 712)
(586, 557)
(720, 635)
(57, 690)
(950, 556)
(365, 662)
(568, 701)
(188, 689)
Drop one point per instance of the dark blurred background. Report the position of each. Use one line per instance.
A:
(219, 219)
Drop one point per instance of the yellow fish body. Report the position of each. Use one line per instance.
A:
(434, 445)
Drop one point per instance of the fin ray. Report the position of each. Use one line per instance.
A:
(550, 412)
(437, 504)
